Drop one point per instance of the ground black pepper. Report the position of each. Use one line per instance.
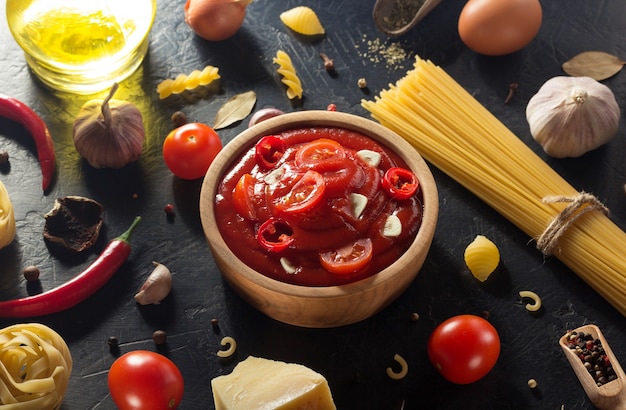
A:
(402, 13)
(593, 356)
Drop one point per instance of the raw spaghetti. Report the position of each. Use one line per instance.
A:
(454, 132)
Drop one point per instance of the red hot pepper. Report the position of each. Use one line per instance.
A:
(77, 289)
(400, 183)
(275, 235)
(268, 151)
(15, 110)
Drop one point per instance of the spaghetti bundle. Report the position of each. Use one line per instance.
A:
(454, 132)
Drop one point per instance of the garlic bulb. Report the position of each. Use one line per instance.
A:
(109, 133)
(570, 116)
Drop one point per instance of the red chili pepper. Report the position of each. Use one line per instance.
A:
(400, 183)
(19, 112)
(268, 151)
(77, 289)
(275, 235)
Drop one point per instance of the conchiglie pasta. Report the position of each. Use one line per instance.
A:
(482, 257)
(289, 76)
(302, 20)
(185, 82)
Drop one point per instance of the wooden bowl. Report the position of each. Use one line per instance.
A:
(329, 306)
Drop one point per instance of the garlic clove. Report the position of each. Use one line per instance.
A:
(570, 116)
(156, 287)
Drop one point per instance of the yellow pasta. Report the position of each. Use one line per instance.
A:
(35, 367)
(454, 132)
(289, 76)
(232, 346)
(482, 257)
(187, 82)
(302, 20)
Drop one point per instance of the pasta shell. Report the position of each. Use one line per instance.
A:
(482, 257)
(302, 20)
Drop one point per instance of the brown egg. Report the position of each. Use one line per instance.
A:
(499, 27)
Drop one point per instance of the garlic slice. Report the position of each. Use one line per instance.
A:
(359, 202)
(371, 158)
(274, 176)
(393, 227)
(288, 266)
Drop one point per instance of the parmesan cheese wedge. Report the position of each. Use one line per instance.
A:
(258, 383)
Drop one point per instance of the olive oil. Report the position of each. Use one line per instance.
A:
(82, 45)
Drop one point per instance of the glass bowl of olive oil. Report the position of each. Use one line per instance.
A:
(82, 46)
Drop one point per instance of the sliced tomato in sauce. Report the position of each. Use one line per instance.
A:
(304, 195)
(320, 151)
(243, 197)
(268, 151)
(348, 259)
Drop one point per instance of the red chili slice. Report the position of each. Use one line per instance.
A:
(348, 259)
(400, 183)
(275, 235)
(268, 151)
(304, 195)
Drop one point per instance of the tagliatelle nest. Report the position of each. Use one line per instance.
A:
(35, 367)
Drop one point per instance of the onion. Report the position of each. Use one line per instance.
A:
(215, 20)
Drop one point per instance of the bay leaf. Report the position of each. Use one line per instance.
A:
(598, 65)
(235, 109)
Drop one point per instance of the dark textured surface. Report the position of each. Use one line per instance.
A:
(353, 358)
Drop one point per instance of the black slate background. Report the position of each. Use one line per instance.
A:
(353, 358)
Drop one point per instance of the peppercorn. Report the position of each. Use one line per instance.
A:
(593, 356)
(331, 107)
(179, 119)
(4, 157)
(169, 211)
(415, 317)
(113, 342)
(215, 322)
(31, 273)
(159, 337)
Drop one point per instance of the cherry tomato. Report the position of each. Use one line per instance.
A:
(348, 259)
(189, 150)
(243, 195)
(400, 183)
(275, 235)
(142, 379)
(268, 151)
(464, 348)
(304, 195)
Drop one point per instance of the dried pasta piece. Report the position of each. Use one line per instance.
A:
(404, 368)
(35, 367)
(186, 82)
(232, 346)
(536, 300)
(289, 76)
(302, 20)
(482, 257)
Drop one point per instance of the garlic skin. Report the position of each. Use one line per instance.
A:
(109, 133)
(570, 116)
(156, 287)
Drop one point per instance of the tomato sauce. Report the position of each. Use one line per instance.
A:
(307, 207)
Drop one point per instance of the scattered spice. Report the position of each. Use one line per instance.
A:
(169, 211)
(135, 196)
(362, 83)
(159, 337)
(331, 107)
(329, 65)
(532, 383)
(415, 317)
(378, 51)
(485, 314)
(215, 322)
(4, 157)
(512, 91)
(31, 273)
(179, 119)
(592, 354)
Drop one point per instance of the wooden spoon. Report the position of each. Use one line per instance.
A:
(383, 10)
(611, 395)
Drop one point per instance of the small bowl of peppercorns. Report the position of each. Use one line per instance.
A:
(319, 218)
